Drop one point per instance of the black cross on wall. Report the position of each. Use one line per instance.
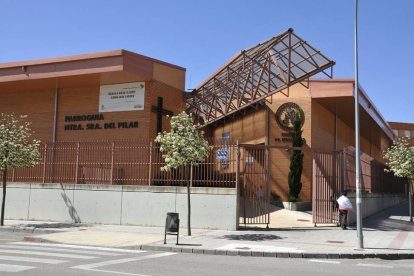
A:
(160, 112)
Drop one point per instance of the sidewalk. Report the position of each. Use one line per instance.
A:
(387, 235)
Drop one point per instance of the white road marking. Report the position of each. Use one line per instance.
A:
(14, 268)
(31, 260)
(58, 255)
(100, 253)
(119, 250)
(121, 261)
(116, 272)
(325, 261)
(376, 265)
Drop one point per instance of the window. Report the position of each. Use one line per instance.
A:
(225, 138)
(407, 133)
(395, 132)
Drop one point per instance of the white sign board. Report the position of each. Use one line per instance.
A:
(122, 97)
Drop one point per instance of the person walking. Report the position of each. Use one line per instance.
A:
(344, 205)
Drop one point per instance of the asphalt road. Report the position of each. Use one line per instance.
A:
(26, 258)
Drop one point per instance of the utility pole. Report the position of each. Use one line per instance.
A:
(357, 140)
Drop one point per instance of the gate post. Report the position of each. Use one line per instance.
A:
(44, 164)
(267, 183)
(112, 162)
(77, 163)
(237, 184)
(314, 192)
(150, 164)
(237, 164)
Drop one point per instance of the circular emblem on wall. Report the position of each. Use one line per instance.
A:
(285, 115)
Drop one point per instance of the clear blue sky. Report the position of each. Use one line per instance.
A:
(203, 35)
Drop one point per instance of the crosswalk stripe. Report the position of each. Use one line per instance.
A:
(78, 251)
(45, 244)
(116, 272)
(14, 268)
(31, 260)
(58, 255)
(121, 261)
(376, 265)
(325, 261)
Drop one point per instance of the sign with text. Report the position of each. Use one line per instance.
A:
(122, 97)
(94, 121)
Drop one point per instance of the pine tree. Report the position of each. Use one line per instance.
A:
(296, 160)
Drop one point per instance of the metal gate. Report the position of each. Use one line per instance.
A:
(254, 188)
(328, 180)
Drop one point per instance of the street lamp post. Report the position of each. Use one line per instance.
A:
(357, 140)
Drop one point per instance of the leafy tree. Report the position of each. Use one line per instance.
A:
(16, 149)
(296, 160)
(184, 145)
(400, 159)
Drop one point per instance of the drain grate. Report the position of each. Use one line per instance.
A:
(303, 220)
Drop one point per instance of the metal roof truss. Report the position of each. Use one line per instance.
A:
(256, 74)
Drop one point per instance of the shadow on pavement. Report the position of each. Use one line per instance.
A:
(383, 220)
(388, 248)
(389, 225)
(55, 225)
(286, 229)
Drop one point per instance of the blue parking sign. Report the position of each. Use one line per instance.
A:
(222, 155)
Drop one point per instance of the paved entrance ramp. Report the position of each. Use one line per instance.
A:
(283, 218)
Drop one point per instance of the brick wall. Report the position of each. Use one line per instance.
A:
(37, 102)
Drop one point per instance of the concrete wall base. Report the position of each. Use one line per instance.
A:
(373, 203)
(211, 208)
(297, 206)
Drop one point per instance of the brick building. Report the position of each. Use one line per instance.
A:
(251, 99)
(401, 130)
(120, 95)
(109, 96)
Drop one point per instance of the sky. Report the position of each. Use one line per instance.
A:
(202, 35)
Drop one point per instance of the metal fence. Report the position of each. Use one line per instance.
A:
(125, 163)
(375, 176)
(334, 172)
(254, 185)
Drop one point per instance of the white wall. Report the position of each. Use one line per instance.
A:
(373, 203)
(211, 208)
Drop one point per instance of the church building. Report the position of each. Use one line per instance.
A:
(120, 95)
(115, 95)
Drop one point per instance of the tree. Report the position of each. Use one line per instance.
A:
(184, 145)
(400, 159)
(16, 149)
(296, 160)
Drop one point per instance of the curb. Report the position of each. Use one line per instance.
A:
(304, 255)
(28, 230)
(41, 229)
(245, 253)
